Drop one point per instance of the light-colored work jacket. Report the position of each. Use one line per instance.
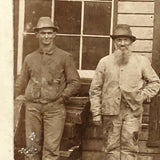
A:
(136, 81)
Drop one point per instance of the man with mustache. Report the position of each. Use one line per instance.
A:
(122, 82)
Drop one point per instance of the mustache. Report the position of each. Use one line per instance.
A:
(123, 46)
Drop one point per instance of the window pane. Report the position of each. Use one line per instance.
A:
(30, 44)
(93, 50)
(68, 16)
(71, 45)
(97, 18)
(35, 9)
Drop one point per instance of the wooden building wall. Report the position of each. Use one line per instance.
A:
(139, 14)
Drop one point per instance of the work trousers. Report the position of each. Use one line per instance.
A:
(46, 121)
(121, 134)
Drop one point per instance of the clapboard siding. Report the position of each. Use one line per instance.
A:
(142, 45)
(139, 14)
(136, 7)
(136, 19)
(142, 32)
(148, 55)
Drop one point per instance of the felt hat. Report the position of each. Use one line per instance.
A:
(45, 22)
(123, 30)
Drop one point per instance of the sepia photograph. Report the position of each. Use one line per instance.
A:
(86, 79)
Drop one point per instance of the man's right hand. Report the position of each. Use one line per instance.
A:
(20, 98)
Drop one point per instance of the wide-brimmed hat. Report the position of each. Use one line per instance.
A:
(45, 22)
(123, 30)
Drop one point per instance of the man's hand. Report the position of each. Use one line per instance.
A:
(138, 112)
(97, 121)
(20, 98)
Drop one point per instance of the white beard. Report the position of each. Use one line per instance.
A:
(122, 57)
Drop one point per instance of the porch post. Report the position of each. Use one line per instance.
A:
(154, 126)
(156, 38)
(20, 35)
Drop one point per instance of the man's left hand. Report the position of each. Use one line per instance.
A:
(97, 120)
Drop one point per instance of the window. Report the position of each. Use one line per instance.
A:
(85, 26)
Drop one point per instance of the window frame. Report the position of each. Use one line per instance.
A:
(21, 33)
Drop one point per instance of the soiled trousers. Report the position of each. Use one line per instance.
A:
(121, 134)
(46, 121)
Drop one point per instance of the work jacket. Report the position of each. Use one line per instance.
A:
(136, 81)
(47, 76)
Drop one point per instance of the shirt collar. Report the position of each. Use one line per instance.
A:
(49, 52)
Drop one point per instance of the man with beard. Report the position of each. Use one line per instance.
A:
(48, 78)
(122, 82)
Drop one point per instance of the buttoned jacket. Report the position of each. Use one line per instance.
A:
(47, 76)
(136, 81)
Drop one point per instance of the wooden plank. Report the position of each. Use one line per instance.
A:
(145, 119)
(148, 55)
(149, 157)
(144, 149)
(136, 20)
(88, 74)
(78, 101)
(143, 157)
(145, 126)
(146, 108)
(142, 32)
(143, 135)
(136, 7)
(142, 45)
(77, 114)
(74, 116)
